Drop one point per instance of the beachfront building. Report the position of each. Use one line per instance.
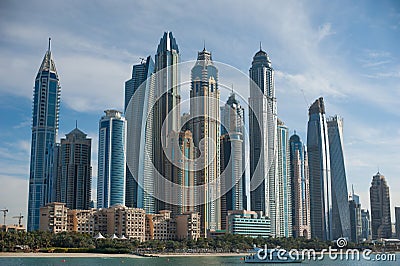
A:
(160, 226)
(188, 226)
(248, 223)
(53, 217)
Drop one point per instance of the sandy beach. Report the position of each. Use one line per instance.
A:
(66, 255)
(201, 254)
(100, 255)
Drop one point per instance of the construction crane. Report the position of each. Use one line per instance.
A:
(5, 214)
(19, 219)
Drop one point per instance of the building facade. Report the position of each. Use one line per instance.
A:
(45, 115)
(160, 226)
(263, 139)
(300, 188)
(139, 101)
(381, 225)
(180, 173)
(340, 211)
(365, 225)
(121, 221)
(111, 160)
(320, 173)
(233, 157)
(74, 177)
(166, 116)
(81, 221)
(397, 217)
(188, 226)
(355, 218)
(283, 183)
(248, 223)
(53, 217)
(205, 127)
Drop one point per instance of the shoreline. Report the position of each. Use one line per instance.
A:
(104, 255)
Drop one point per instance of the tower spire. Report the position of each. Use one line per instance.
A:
(204, 45)
(260, 46)
(49, 44)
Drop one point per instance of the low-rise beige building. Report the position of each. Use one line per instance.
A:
(53, 217)
(160, 226)
(188, 225)
(121, 221)
(81, 221)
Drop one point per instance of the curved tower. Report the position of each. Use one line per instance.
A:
(320, 172)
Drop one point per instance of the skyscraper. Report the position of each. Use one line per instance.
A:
(180, 170)
(340, 211)
(283, 184)
(380, 208)
(139, 100)
(263, 141)
(45, 113)
(205, 126)
(365, 225)
(74, 178)
(397, 217)
(355, 218)
(300, 188)
(233, 182)
(320, 173)
(111, 160)
(166, 110)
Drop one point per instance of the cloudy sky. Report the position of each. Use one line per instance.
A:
(345, 51)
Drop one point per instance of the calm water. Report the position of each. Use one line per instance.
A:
(191, 261)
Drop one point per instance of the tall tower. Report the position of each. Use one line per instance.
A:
(166, 110)
(180, 170)
(233, 182)
(340, 212)
(111, 160)
(74, 177)
(45, 113)
(320, 172)
(283, 184)
(355, 217)
(300, 188)
(263, 141)
(139, 100)
(381, 222)
(205, 126)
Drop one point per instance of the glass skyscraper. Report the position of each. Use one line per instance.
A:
(74, 177)
(232, 153)
(283, 184)
(205, 127)
(300, 188)
(45, 114)
(320, 172)
(139, 99)
(111, 160)
(263, 139)
(355, 217)
(381, 222)
(340, 212)
(166, 116)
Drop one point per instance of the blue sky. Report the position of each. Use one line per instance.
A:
(345, 51)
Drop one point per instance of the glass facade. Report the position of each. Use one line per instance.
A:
(320, 173)
(340, 212)
(139, 99)
(263, 139)
(45, 113)
(111, 160)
